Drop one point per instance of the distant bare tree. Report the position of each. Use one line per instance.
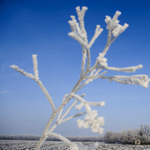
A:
(145, 130)
(129, 136)
(109, 137)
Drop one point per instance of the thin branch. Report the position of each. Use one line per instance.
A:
(35, 66)
(81, 36)
(68, 110)
(126, 69)
(59, 115)
(106, 48)
(83, 60)
(35, 78)
(76, 115)
(88, 59)
(55, 125)
(98, 31)
(71, 144)
(34, 57)
(142, 80)
(74, 103)
(23, 72)
(79, 81)
(81, 14)
(108, 42)
(114, 29)
(52, 128)
(58, 109)
(46, 93)
(91, 78)
(97, 72)
(109, 35)
(78, 39)
(60, 119)
(102, 103)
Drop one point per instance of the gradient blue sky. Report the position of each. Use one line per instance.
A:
(41, 27)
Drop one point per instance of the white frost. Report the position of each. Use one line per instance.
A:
(88, 74)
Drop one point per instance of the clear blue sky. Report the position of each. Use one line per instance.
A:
(41, 27)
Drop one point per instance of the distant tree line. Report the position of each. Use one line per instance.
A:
(129, 136)
(36, 138)
(124, 137)
(19, 137)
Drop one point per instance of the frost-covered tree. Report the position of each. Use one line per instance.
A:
(145, 130)
(144, 134)
(109, 137)
(88, 74)
(128, 136)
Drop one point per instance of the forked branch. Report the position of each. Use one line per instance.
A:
(36, 78)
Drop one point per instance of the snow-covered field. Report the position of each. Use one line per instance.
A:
(51, 145)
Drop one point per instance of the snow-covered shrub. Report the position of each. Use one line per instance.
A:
(145, 130)
(88, 74)
(144, 134)
(109, 137)
(145, 139)
(128, 136)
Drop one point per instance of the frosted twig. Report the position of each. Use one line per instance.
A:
(106, 48)
(68, 110)
(87, 81)
(35, 65)
(108, 38)
(75, 26)
(36, 79)
(77, 115)
(34, 57)
(83, 60)
(59, 115)
(71, 145)
(142, 80)
(81, 36)
(97, 72)
(23, 72)
(81, 14)
(114, 29)
(78, 35)
(91, 78)
(102, 103)
(46, 93)
(78, 39)
(126, 69)
(98, 31)
(88, 59)
(74, 103)
(92, 72)
(60, 119)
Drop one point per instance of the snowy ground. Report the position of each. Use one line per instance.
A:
(48, 145)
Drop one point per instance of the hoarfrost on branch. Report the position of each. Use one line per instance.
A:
(88, 74)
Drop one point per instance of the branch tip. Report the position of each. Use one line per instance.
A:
(13, 66)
